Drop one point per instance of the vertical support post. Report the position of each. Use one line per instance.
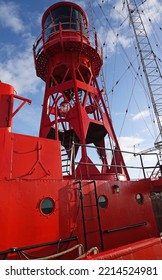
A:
(142, 166)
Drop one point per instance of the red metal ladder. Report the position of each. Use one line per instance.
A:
(91, 223)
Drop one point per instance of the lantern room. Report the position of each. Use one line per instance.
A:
(65, 29)
(69, 15)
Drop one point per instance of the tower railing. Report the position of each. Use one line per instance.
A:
(67, 33)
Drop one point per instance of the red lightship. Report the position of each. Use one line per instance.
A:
(67, 194)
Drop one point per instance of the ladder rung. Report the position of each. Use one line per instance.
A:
(89, 194)
(85, 206)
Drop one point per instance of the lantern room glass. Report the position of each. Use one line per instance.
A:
(69, 17)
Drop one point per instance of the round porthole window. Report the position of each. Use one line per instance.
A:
(139, 198)
(102, 201)
(47, 205)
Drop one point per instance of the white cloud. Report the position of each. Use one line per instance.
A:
(152, 10)
(133, 162)
(82, 4)
(128, 143)
(102, 2)
(39, 19)
(9, 17)
(18, 68)
(125, 41)
(19, 71)
(141, 115)
(120, 11)
(111, 39)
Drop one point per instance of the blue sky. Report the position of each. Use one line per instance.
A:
(20, 26)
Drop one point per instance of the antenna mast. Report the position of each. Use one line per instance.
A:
(149, 62)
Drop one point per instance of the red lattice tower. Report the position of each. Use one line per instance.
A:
(68, 58)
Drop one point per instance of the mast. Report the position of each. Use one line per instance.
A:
(149, 63)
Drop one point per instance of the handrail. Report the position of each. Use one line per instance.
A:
(125, 227)
(15, 250)
(149, 170)
(42, 41)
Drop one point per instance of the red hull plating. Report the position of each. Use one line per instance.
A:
(149, 249)
(123, 220)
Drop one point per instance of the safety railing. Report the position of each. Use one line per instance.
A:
(138, 165)
(22, 252)
(64, 29)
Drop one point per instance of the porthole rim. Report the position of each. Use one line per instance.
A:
(41, 201)
(106, 200)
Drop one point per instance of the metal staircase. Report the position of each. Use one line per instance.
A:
(65, 162)
(66, 151)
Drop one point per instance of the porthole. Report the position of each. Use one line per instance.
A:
(47, 206)
(102, 201)
(139, 198)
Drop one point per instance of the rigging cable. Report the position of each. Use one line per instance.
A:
(159, 27)
(139, 77)
(126, 111)
(118, 40)
(153, 33)
(144, 119)
(113, 78)
(122, 75)
(103, 83)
